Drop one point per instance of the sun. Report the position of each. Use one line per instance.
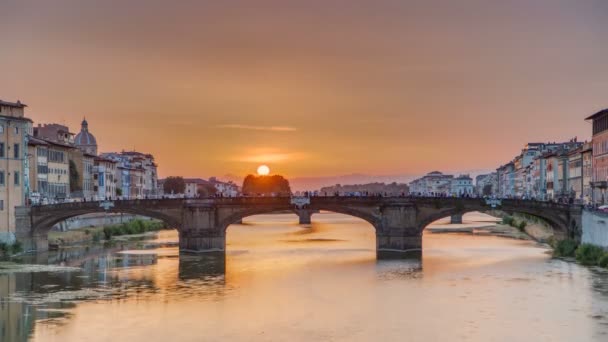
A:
(263, 170)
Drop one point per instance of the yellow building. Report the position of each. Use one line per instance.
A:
(14, 128)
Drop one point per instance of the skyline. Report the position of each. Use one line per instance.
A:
(313, 90)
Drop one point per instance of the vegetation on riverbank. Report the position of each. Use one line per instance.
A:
(511, 221)
(585, 254)
(7, 250)
(132, 227)
(97, 234)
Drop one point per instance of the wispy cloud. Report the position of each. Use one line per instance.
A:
(260, 128)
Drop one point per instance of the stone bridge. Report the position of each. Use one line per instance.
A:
(202, 223)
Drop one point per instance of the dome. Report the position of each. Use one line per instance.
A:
(84, 138)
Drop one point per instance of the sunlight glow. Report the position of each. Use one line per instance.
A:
(263, 170)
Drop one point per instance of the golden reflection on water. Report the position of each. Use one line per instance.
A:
(283, 282)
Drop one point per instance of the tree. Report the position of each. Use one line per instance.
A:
(266, 185)
(174, 185)
(118, 192)
(75, 184)
(206, 190)
(487, 190)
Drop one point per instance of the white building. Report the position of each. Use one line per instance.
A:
(462, 186)
(432, 184)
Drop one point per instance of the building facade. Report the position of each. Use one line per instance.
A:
(432, 184)
(462, 186)
(14, 165)
(104, 178)
(599, 140)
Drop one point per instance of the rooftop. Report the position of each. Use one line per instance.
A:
(600, 113)
(17, 104)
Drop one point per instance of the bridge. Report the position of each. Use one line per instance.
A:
(202, 223)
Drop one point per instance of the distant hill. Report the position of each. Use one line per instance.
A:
(395, 189)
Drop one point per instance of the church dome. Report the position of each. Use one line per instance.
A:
(85, 138)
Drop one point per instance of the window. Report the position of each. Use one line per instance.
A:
(1, 150)
(1, 128)
(16, 151)
(16, 130)
(1, 177)
(1, 204)
(16, 174)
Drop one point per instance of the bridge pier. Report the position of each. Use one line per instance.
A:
(456, 219)
(398, 245)
(202, 241)
(304, 216)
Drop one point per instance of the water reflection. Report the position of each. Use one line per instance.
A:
(280, 281)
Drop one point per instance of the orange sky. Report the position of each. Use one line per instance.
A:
(311, 88)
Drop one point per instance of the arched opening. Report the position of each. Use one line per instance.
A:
(277, 241)
(483, 238)
(83, 228)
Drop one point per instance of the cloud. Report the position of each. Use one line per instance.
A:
(260, 128)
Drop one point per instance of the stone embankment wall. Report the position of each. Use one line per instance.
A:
(94, 220)
(595, 228)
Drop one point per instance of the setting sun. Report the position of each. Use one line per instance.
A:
(263, 170)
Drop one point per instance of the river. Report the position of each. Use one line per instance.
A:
(283, 282)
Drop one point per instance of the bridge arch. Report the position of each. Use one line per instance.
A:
(43, 218)
(561, 224)
(238, 215)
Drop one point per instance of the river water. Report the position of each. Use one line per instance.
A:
(283, 282)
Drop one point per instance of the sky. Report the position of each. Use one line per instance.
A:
(310, 88)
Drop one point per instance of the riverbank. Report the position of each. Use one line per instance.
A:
(483, 224)
(131, 229)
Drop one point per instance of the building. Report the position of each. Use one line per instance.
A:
(14, 166)
(192, 184)
(462, 186)
(83, 163)
(224, 189)
(575, 174)
(58, 188)
(54, 133)
(432, 184)
(587, 158)
(524, 176)
(506, 180)
(104, 178)
(599, 141)
(147, 181)
(38, 152)
(487, 184)
(86, 141)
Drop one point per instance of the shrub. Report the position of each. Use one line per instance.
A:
(507, 220)
(97, 236)
(522, 225)
(604, 260)
(564, 248)
(17, 247)
(108, 232)
(588, 254)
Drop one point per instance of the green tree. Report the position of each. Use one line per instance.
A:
(174, 185)
(266, 185)
(75, 183)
